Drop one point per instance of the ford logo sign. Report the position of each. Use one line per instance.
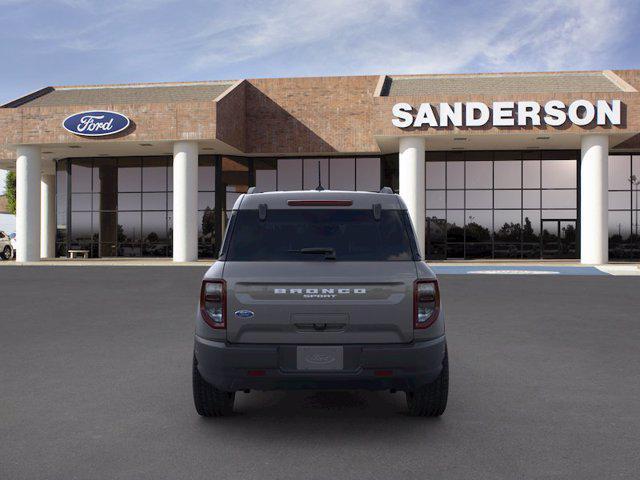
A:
(96, 123)
(244, 313)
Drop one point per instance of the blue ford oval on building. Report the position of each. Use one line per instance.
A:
(96, 123)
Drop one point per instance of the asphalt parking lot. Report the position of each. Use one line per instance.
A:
(95, 383)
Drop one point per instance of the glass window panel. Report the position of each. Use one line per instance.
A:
(154, 201)
(455, 199)
(206, 173)
(559, 199)
(129, 201)
(531, 198)
(95, 198)
(80, 202)
(129, 229)
(479, 175)
(170, 177)
(507, 174)
(455, 174)
(61, 217)
(389, 166)
(507, 225)
(368, 174)
(61, 177)
(154, 174)
(266, 180)
(507, 199)
(455, 250)
(635, 165)
(620, 200)
(435, 198)
(479, 198)
(342, 174)
(435, 174)
(619, 226)
(129, 250)
(231, 199)
(531, 174)
(531, 225)
(479, 225)
(207, 199)
(81, 175)
(436, 226)
(129, 174)
(559, 174)
(154, 227)
(289, 174)
(455, 225)
(619, 172)
(557, 214)
(311, 173)
(206, 234)
(81, 232)
(106, 226)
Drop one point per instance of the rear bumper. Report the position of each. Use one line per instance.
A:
(232, 367)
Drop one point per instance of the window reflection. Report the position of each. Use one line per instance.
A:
(499, 185)
(368, 174)
(342, 174)
(624, 198)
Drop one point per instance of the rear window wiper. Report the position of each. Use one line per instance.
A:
(329, 253)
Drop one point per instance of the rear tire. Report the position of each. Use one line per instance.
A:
(431, 400)
(209, 401)
(7, 253)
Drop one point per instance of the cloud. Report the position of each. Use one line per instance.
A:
(83, 41)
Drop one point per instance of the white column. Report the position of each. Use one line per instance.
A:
(28, 203)
(47, 216)
(185, 201)
(594, 200)
(412, 183)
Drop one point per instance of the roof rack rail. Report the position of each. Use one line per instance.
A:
(386, 190)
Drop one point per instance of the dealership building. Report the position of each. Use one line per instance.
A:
(491, 166)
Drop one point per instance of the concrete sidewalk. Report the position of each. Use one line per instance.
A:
(452, 267)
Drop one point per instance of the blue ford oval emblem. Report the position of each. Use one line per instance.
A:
(96, 123)
(244, 313)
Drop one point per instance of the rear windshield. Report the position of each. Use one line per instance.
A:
(319, 235)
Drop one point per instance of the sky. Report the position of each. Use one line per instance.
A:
(77, 42)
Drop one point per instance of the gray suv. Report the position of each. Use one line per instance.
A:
(320, 290)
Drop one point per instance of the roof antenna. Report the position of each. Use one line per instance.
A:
(319, 187)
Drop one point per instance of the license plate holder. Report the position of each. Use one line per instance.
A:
(320, 358)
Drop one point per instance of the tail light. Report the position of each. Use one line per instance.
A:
(213, 299)
(426, 303)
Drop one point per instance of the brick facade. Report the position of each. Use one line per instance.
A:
(288, 116)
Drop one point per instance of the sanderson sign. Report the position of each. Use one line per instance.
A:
(96, 123)
(507, 114)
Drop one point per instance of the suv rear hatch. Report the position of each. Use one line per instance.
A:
(320, 276)
(313, 302)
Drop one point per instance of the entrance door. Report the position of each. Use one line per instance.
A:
(559, 238)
